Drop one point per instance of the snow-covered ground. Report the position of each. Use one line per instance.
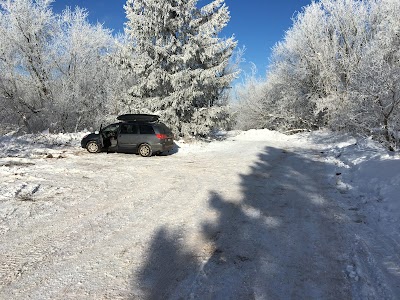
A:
(258, 215)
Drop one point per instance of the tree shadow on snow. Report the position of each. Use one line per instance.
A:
(167, 265)
(280, 241)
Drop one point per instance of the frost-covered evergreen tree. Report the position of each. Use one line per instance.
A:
(179, 63)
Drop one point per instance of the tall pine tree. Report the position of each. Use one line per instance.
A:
(179, 63)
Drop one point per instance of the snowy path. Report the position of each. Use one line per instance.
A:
(239, 219)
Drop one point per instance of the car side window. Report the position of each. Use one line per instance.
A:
(128, 129)
(146, 129)
(110, 128)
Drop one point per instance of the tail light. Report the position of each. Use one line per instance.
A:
(161, 136)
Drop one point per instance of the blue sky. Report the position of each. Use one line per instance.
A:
(257, 25)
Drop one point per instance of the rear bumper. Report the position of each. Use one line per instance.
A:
(162, 147)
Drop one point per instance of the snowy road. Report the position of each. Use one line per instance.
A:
(238, 219)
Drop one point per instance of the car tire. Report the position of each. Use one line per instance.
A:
(92, 147)
(145, 150)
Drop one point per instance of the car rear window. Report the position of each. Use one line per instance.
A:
(146, 129)
(163, 128)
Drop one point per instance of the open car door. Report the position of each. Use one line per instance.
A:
(108, 136)
(101, 138)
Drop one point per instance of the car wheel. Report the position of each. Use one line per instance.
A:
(92, 147)
(145, 150)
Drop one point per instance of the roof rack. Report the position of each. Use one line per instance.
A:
(138, 117)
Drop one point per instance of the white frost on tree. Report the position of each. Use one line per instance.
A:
(337, 67)
(27, 29)
(179, 63)
(376, 92)
(86, 75)
(54, 69)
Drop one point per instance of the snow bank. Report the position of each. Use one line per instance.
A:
(31, 145)
(260, 135)
(369, 172)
